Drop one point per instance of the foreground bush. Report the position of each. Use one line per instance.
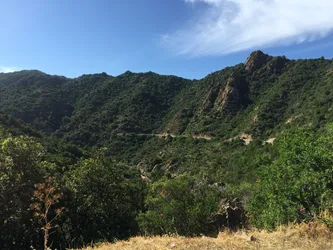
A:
(298, 184)
(179, 206)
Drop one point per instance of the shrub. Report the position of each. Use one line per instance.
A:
(179, 206)
(298, 184)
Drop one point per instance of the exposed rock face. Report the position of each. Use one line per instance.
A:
(256, 60)
(222, 101)
(233, 96)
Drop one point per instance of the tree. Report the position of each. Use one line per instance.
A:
(106, 197)
(20, 168)
(46, 198)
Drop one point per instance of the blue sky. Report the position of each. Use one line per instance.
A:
(188, 38)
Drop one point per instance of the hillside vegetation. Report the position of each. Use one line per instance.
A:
(101, 158)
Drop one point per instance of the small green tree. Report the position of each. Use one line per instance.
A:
(178, 206)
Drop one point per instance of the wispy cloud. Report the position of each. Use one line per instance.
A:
(8, 69)
(228, 26)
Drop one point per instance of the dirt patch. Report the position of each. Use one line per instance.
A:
(270, 140)
(246, 138)
(289, 120)
(206, 137)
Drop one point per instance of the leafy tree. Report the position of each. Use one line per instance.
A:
(20, 168)
(106, 197)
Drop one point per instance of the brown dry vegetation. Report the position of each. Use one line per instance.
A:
(304, 236)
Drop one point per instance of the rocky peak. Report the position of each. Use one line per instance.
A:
(256, 60)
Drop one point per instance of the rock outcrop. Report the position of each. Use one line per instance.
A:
(223, 100)
(256, 60)
(233, 96)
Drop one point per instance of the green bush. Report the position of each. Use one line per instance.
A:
(179, 206)
(298, 184)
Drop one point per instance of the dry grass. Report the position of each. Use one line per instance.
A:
(304, 236)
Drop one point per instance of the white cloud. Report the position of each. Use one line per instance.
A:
(8, 69)
(228, 26)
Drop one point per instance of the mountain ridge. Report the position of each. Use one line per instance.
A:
(253, 54)
(253, 97)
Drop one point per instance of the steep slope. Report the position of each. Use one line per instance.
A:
(260, 97)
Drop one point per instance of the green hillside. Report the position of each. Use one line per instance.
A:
(122, 150)
(257, 97)
(253, 101)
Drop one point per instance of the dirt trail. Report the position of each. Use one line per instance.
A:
(205, 137)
